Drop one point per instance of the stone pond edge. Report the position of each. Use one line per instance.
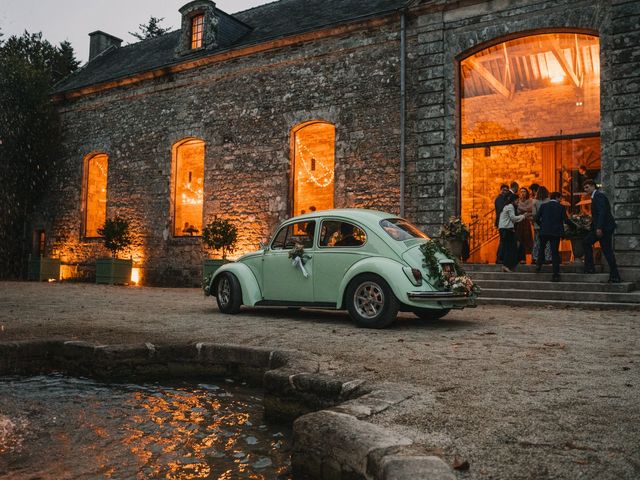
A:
(332, 437)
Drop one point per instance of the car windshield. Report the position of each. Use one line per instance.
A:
(401, 230)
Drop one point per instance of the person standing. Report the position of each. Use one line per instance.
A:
(524, 234)
(499, 203)
(542, 196)
(602, 227)
(508, 219)
(551, 217)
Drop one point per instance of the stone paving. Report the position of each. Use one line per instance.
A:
(502, 392)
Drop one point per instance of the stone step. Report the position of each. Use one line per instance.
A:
(522, 268)
(598, 278)
(559, 295)
(526, 302)
(558, 286)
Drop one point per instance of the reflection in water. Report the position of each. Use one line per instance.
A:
(59, 427)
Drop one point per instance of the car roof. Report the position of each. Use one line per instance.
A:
(357, 214)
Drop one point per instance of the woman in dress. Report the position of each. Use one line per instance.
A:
(524, 235)
(506, 224)
(541, 197)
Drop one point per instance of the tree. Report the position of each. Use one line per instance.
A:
(30, 138)
(151, 29)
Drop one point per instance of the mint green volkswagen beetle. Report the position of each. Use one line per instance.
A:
(367, 262)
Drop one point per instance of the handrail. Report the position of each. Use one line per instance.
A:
(482, 230)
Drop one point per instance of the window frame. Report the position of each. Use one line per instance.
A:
(337, 220)
(197, 32)
(174, 186)
(86, 177)
(291, 226)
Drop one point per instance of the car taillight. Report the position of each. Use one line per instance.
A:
(417, 274)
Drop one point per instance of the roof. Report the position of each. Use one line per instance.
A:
(268, 22)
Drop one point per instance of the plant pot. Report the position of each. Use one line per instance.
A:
(576, 247)
(44, 268)
(210, 266)
(113, 271)
(454, 245)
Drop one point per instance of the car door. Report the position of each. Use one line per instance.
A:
(340, 244)
(282, 281)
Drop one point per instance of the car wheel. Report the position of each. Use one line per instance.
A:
(431, 313)
(228, 293)
(370, 302)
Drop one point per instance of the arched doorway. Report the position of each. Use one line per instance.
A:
(530, 113)
(313, 162)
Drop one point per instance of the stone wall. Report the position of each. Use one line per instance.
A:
(244, 110)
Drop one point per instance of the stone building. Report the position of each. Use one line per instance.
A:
(419, 108)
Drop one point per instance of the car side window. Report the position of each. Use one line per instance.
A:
(335, 233)
(296, 233)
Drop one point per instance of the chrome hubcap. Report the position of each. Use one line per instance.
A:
(224, 291)
(368, 299)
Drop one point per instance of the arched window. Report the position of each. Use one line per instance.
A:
(95, 193)
(313, 150)
(530, 113)
(188, 187)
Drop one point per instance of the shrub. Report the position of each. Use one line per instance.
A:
(220, 234)
(116, 234)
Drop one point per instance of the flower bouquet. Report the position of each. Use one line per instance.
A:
(297, 258)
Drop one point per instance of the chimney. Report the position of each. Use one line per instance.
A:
(199, 27)
(100, 41)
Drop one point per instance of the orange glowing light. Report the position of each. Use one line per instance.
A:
(135, 275)
(188, 187)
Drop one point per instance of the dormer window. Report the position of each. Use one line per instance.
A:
(197, 30)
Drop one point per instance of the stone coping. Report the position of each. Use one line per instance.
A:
(332, 437)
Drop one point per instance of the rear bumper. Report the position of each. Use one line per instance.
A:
(454, 299)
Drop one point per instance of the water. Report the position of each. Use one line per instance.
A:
(57, 427)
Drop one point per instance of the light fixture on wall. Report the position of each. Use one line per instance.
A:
(487, 151)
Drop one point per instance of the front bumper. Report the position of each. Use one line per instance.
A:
(455, 299)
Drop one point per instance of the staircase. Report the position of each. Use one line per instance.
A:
(524, 287)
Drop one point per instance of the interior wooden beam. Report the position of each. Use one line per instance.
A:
(489, 77)
(557, 53)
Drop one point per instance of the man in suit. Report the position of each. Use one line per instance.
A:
(551, 217)
(602, 227)
(499, 203)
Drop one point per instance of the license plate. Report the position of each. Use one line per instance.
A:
(448, 268)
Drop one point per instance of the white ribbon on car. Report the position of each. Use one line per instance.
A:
(297, 262)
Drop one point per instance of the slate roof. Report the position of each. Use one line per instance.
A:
(268, 22)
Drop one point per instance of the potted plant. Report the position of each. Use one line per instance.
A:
(116, 238)
(43, 268)
(454, 234)
(219, 235)
(578, 229)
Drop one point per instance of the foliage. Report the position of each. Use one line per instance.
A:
(581, 226)
(116, 234)
(30, 137)
(297, 251)
(455, 282)
(454, 228)
(220, 234)
(150, 29)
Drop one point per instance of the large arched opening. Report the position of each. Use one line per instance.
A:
(530, 113)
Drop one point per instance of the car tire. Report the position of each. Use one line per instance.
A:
(228, 293)
(370, 302)
(431, 314)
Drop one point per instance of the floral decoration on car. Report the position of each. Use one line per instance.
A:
(456, 281)
(297, 258)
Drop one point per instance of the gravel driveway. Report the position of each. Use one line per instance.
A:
(506, 392)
